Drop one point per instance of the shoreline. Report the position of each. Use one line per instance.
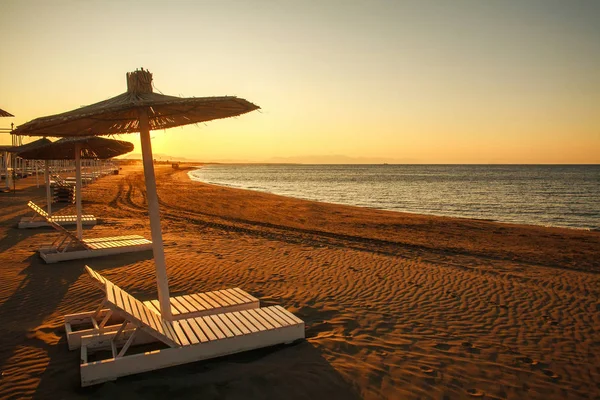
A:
(395, 305)
(192, 169)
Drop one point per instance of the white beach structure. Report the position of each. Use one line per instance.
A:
(141, 110)
(78, 148)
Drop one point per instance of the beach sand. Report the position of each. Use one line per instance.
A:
(396, 305)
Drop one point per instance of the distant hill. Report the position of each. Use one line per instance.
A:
(311, 159)
(157, 156)
(340, 159)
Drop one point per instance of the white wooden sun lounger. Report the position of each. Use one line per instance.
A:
(187, 340)
(40, 217)
(69, 247)
(188, 306)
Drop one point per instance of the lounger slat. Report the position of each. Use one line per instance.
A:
(239, 324)
(260, 319)
(179, 308)
(232, 299)
(128, 306)
(289, 314)
(214, 327)
(232, 327)
(208, 300)
(247, 296)
(203, 302)
(222, 301)
(144, 314)
(182, 338)
(275, 316)
(234, 295)
(197, 306)
(157, 323)
(242, 318)
(110, 294)
(167, 327)
(190, 307)
(188, 332)
(151, 306)
(284, 314)
(182, 300)
(197, 330)
(222, 326)
(118, 298)
(205, 328)
(267, 317)
(259, 325)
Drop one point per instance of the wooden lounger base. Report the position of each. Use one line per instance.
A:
(122, 365)
(50, 256)
(80, 324)
(62, 220)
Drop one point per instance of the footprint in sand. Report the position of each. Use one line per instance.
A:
(470, 347)
(549, 319)
(528, 360)
(426, 369)
(498, 304)
(551, 374)
(475, 393)
(442, 346)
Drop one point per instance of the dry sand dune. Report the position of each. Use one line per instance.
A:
(396, 305)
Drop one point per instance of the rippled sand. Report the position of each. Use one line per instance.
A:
(396, 305)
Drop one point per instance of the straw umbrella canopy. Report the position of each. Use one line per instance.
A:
(75, 148)
(140, 110)
(16, 149)
(91, 147)
(25, 147)
(5, 113)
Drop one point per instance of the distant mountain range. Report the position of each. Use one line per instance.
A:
(312, 159)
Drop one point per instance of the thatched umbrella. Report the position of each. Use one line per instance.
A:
(9, 150)
(140, 110)
(76, 148)
(5, 113)
(5, 149)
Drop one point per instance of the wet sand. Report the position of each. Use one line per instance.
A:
(396, 305)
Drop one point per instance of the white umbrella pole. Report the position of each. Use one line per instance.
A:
(153, 211)
(5, 162)
(5, 159)
(48, 194)
(37, 177)
(78, 189)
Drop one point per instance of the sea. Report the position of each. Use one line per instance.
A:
(546, 195)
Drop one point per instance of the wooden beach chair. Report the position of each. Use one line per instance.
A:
(181, 341)
(68, 246)
(104, 321)
(40, 217)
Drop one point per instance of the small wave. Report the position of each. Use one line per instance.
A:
(513, 194)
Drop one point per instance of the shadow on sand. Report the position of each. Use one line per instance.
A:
(40, 293)
(282, 372)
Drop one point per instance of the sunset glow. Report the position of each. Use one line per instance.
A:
(380, 81)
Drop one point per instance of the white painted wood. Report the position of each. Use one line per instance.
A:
(62, 220)
(78, 189)
(50, 256)
(154, 213)
(75, 321)
(48, 194)
(112, 368)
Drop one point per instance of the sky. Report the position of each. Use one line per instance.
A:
(497, 81)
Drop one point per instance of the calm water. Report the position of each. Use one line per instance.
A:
(567, 196)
